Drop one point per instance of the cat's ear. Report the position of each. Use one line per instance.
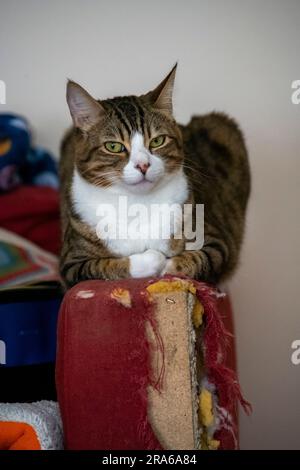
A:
(84, 109)
(161, 96)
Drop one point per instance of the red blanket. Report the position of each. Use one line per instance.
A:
(33, 213)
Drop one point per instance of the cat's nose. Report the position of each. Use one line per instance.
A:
(143, 167)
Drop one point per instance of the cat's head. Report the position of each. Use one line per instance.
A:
(129, 143)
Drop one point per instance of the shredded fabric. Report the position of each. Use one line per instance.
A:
(103, 400)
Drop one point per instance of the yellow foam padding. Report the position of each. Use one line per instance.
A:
(208, 443)
(170, 286)
(207, 419)
(122, 296)
(213, 444)
(165, 286)
(197, 315)
(206, 407)
(5, 146)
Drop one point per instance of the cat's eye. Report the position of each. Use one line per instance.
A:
(115, 147)
(157, 141)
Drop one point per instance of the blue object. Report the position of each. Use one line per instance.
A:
(20, 162)
(28, 332)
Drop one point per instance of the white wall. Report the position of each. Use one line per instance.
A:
(237, 56)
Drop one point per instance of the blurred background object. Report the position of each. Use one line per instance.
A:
(21, 162)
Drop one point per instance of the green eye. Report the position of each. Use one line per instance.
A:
(115, 147)
(157, 141)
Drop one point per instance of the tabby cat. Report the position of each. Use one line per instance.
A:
(132, 146)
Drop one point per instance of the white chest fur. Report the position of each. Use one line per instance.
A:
(87, 199)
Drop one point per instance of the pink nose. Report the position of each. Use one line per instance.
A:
(143, 167)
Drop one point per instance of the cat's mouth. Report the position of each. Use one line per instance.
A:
(143, 179)
(142, 184)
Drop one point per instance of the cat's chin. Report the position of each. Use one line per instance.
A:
(142, 187)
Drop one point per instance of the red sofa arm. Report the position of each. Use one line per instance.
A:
(124, 366)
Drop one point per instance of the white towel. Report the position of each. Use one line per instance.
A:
(43, 416)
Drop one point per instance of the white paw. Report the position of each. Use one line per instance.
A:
(149, 263)
(169, 268)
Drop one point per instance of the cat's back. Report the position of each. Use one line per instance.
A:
(66, 170)
(67, 155)
(216, 155)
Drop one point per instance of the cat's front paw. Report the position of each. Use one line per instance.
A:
(170, 268)
(179, 265)
(149, 263)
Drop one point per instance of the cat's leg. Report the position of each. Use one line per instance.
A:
(74, 271)
(208, 264)
(149, 263)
